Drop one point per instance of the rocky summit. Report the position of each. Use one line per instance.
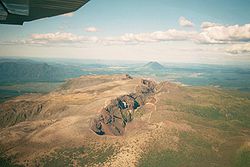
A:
(120, 111)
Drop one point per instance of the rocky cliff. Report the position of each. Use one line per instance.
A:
(114, 117)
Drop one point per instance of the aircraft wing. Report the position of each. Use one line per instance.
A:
(20, 11)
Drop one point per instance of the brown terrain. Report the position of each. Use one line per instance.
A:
(117, 120)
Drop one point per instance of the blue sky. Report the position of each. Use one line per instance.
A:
(191, 31)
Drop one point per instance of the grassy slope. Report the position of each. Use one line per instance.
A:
(8, 91)
(79, 156)
(221, 122)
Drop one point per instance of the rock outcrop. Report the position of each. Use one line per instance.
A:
(127, 76)
(114, 117)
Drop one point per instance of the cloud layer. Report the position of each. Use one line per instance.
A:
(158, 36)
(239, 49)
(237, 37)
(91, 29)
(185, 22)
(207, 24)
(55, 39)
(214, 33)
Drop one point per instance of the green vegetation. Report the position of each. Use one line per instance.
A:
(209, 112)
(7, 162)
(212, 104)
(162, 159)
(193, 151)
(78, 156)
(194, 140)
(220, 120)
(242, 158)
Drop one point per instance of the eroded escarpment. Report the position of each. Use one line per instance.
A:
(114, 117)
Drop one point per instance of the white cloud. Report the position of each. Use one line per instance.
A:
(91, 29)
(212, 33)
(225, 34)
(54, 39)
(153, 37)
(185, 22)
(157, 36)
(239, 49)
(207, 24)
(129, 38)
(235, 36)
(68, 14)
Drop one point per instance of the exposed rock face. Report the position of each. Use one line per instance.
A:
(114, 117)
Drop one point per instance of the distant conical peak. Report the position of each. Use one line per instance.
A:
(154, 65)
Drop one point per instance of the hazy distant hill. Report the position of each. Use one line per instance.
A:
(31, 71)
(152, 66)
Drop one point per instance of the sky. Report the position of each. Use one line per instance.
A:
(178, 31)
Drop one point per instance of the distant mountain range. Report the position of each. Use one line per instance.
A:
(23, 70)
(31, 71)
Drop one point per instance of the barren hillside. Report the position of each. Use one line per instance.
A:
(117, 120)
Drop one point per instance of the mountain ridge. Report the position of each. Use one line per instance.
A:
(159, 123)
